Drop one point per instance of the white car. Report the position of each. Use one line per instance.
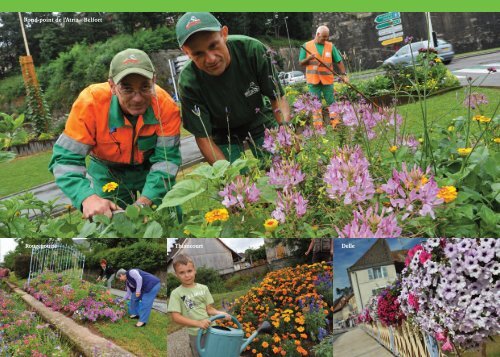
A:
(292, 77)
(404, 56)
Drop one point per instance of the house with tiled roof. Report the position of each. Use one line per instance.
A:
(376, 269)
(206, 252)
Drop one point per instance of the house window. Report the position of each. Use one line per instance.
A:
(377, 273)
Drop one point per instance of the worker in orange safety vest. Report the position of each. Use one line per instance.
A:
(320, 78)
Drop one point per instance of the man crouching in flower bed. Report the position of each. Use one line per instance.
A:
(146, 288)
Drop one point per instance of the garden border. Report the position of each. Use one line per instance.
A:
(84, 340)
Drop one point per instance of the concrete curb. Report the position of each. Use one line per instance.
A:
(84, 340)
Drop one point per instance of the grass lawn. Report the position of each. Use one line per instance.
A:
(25, 172)
(147, 341)
(441, 109)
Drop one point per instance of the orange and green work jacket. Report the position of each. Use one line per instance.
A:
(96, 126)
(315, 71)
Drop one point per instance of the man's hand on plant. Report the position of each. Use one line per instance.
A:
(94, 204)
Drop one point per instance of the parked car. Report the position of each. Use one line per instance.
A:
(292, 77)
(403, 55)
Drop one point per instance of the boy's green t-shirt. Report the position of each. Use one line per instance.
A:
(234, 101)
(191, 303)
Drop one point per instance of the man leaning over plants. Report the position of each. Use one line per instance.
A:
(222, 88)
(130, 128)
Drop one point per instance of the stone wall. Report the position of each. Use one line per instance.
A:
(354, 33)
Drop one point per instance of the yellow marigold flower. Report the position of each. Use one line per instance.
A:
(109, 187)
(393, 148)
(464, 151)
(447, 193)
(437, 60)
(219, 214)
(276, 339)
(451, 128)
(481, 118)
(265, 344)
(271, 224)
(187, 232)
(497, 140)
(421, 140)
(286, 319)
(300, 329)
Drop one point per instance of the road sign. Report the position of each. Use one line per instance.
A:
(383, 25)
(392, 35)
(387, 16)
(389, 30)
(392, 40)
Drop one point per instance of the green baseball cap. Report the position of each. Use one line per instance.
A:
(130, 61)
(192, 22)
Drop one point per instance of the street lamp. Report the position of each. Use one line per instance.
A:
(289, 44)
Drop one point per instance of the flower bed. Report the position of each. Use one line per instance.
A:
(449, 291)
(23, 333)
(296, 301)
(76, 298)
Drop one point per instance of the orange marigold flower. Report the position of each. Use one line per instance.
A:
(447, 193)
(276, 350)
(265, 344)
(297, 342)
(304, 336)
(259, 354)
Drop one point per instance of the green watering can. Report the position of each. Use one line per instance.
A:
(226, 341)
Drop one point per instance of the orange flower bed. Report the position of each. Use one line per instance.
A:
(289, 299)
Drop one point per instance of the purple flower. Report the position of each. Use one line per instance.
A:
(370, 224)
(412, 191)
(239, 192)
(288, 203)
(474, 100)
(279, 141)
(408, 39)
(347, 176)
(285, 174)
(307, 104)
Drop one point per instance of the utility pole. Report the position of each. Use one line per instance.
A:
(289, 44)
(24, 35)
(431, 35)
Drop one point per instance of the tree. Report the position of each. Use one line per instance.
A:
(256, 254)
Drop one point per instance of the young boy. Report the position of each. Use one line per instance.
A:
(191, 303)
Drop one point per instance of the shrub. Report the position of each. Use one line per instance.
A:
(144, 255)
(22, 265)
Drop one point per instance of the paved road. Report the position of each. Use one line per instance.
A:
(357, 343)
(159, 305)
(477, 68)
(474, 66)
(190, 156)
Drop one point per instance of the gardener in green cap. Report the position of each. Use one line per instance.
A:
(130, 128)
(222, 88)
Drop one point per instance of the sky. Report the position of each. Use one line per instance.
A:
(6, 245)
(344, 256)
(237, 244)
